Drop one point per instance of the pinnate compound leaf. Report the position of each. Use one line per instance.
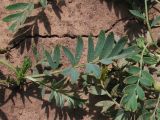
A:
(69, 55)
(90, 56)
(93, 69)
(137, 14)
(79, 49)
(17, 6)
(100, 43)
(13, 17)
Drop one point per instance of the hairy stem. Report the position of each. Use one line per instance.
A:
(154, 112)
(147, 20)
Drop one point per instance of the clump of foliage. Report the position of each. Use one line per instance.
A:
(22, 12)
(120, 71)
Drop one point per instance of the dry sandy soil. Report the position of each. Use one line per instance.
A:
(59, 25)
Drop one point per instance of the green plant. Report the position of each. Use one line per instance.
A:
(22, 12)
(20, 72)
(95, 58)
(128, 86)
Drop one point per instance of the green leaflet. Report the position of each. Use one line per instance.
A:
(79, 49)
(93, 69)
(17, 6)
(150, 103)
(13, 27)
(43, 3)
(155, 21)
(151, 60)
(125, 53)
(69, 56)
(26, 65)
(13, 17)
(105, 105)
(51, 95)
(120, 115)
(56, 56)
(118, 47)
(106, 61)
(131, 80)
(130, 89)
(137, 14)
(49, 59)
(62, 98)
(146, 79)
(95, 90)
(90, 56)
(129, 101)
(109, 44)
(140, 93)
(35, 53)
(133, 70)
(72, 73)
(100, 43)
(135, 58)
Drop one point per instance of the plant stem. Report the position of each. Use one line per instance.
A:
(147, 20)
(109, 95)
(154, 112)
(141, 61)
(157, 1)
(5, 63)
(57, 71)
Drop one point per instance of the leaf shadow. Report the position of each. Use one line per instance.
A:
(132, 27)
(3, 116)
(29, 33)
(56, 8)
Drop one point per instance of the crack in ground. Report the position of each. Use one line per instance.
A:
(71, 36)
